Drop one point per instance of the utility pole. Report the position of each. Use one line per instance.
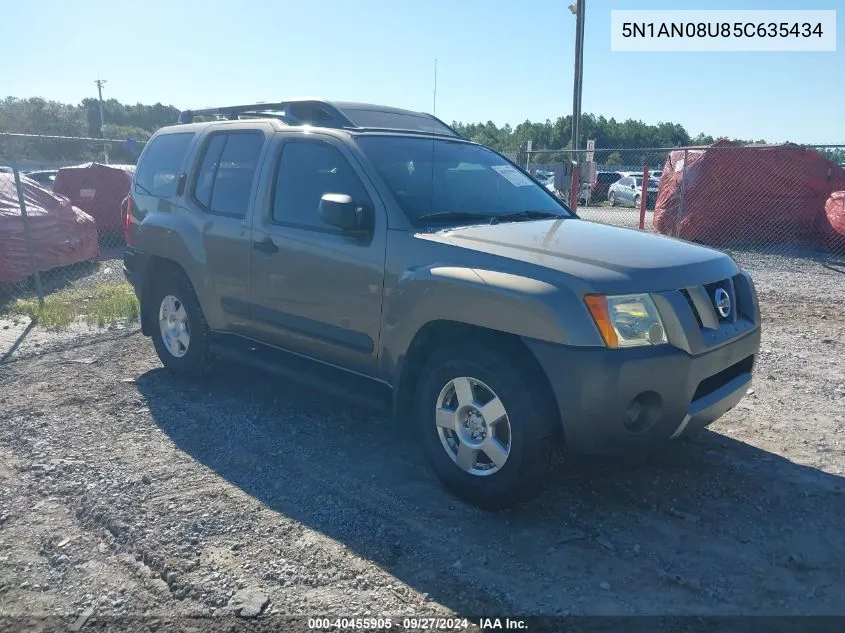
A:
(100, 83)
(575, 188)
(578, 9)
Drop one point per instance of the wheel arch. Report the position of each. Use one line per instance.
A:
(157, 267)
(437, 334)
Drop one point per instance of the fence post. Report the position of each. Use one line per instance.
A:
(25, 220)
(683, 187)
(574, 190)
(643, 197)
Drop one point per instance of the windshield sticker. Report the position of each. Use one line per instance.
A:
(516, 178)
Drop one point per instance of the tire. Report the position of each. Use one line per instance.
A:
(611, 198)
(533, 430)
(194, 359)
(637, 200)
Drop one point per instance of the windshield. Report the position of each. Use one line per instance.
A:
(434, 176)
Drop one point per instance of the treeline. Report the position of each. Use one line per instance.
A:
(139, 121)
(617, 142)
(39, 116)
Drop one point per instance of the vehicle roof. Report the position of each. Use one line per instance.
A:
(318, 113)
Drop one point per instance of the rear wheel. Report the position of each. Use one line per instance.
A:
(180, 333)
(637, 200)
(487, 426)
(611, 198)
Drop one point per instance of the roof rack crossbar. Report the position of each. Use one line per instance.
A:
(285, 110)
(308, 111)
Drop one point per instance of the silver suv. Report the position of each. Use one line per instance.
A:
(379, 243)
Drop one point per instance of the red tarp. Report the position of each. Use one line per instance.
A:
(739, 194)
(98, 190)
(833, 221)
(60, 233)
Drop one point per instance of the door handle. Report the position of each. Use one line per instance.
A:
(267, 246)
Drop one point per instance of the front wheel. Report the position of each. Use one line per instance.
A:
(611, 198)
(637, 200)
(487, 426)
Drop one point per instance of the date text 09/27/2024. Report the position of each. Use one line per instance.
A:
(416, 624)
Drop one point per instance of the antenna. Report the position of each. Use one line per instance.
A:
(435, 88)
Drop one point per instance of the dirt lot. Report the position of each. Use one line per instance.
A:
(126, 491)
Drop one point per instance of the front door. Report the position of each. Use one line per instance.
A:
(316, 290)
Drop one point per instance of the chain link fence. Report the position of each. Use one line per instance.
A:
(61, 220)
(775, 199)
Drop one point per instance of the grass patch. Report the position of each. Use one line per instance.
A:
(99, 306)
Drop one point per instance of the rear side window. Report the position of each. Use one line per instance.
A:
(227, 172)
(156, 174)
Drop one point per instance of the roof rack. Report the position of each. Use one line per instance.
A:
(322, 113)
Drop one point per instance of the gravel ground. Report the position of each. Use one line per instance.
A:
(127, 492)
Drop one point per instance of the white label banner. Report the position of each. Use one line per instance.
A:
(723, 30)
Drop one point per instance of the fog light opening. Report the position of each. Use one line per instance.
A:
(642, 412)
(656, 335)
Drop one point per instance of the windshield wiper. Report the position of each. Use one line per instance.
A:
(516, 216)
(455, 215)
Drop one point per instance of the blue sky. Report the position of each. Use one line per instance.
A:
(499, 60)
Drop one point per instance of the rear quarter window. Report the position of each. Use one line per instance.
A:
(161, 163)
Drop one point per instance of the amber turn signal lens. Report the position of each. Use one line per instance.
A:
(597, 305)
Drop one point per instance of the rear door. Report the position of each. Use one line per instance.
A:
(218, 196)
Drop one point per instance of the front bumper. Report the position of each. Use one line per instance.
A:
(677, 392)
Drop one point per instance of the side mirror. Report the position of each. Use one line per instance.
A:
(338, 210)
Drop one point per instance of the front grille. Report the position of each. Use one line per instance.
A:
(691, 303)
(716, 381)
(741, 300)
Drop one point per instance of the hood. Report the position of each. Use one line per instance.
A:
(607, 258)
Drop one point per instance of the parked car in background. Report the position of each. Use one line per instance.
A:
(98, 190)
(58, 233)
(599, 189)
(658, 174)
(44, 177)
(628, 191)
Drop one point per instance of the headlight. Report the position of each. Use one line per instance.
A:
(626, 320)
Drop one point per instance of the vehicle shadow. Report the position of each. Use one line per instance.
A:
(711, 526)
